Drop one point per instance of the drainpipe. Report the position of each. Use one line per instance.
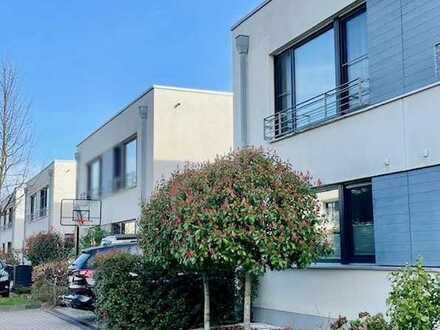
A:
(242, 46)
(77, 182)
(50, 199)
(143, 113)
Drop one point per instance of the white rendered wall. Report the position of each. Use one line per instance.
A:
(60, 178)
(197, 130)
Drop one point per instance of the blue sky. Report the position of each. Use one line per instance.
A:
(80, 61)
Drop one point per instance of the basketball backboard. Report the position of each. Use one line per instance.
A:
(80, 212)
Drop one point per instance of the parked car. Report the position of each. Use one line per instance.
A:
(82, 270)
(5, 282)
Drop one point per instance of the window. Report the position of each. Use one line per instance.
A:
(124, 228)
(323, 76)
(359, 222)
(9, 247)
(10, 216)
(437, 60)
(94, 179)
(33, 206)
(329, 210)
(348, 211)
(130, 168)
(125, 165)
(43, 202)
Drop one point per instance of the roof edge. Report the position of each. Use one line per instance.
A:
(250, 14)
(181, 89)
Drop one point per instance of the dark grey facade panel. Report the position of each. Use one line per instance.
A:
(402, 35)
(391, 220)
(407, 217)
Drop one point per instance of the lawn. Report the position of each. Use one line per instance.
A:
(16, 300)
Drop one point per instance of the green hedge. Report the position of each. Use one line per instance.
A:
(133, 295)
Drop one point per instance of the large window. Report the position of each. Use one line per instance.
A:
(43, 202)
(125, 165)
(323, 75)
(348, 211)
(94, 179)
(33, 206)
(10, 216)
(130, 166)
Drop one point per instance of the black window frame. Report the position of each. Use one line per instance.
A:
(44, 192)
(32, 206)
(341, 75)
(90, 195)
(120, 166)
(346, 232)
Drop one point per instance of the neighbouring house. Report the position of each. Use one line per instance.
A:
(12, 222)
(159, 131)
(43, 196)
(348, 90)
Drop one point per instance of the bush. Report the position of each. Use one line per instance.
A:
(414, 301)
(134, 295)
(93, 237)
(46, 247)
(10, 258)
(365, 322)
(50, 281)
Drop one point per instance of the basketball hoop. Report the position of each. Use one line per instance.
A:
(80, 212)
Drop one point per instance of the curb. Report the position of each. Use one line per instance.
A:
(81, 324)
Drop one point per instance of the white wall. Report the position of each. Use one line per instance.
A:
(124, 204)
(197, 130)
(400, 132)
(60, 178)
(325, 292)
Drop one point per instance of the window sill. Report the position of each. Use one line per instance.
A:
(358, 266)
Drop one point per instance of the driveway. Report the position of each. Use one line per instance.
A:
(37, 319)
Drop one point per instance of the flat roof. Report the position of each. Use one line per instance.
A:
(49, 166)
(249, 15)
(180, 89)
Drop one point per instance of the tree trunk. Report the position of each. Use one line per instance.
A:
(207, 313)
(247, 302)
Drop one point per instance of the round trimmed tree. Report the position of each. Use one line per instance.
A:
(247, 211)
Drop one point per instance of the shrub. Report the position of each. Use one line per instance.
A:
(50, 281)
(132, 294)
(414, 301)
(93, 237)
(46, 247)
(10, 258)
(365, 322)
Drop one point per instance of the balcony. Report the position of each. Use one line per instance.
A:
(346, 98)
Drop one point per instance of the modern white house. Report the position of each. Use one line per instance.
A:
(348, 90)
(161, 130)
(43, 195)
(12, 222)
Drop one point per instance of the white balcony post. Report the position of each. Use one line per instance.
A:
(242, 46)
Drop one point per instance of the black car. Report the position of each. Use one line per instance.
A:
(4, 281)
(82, 270)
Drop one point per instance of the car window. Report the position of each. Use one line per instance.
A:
(81, 261)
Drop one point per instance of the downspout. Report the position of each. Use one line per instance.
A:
(242, 46)
(77, 160)
(142, 151)
(50, 199)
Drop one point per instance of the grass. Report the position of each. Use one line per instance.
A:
(16, 301)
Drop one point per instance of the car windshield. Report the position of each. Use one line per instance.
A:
(80, 261)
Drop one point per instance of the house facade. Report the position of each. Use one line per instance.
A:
(12, 222)
(348, 90)
(161, 130)
(43, 195)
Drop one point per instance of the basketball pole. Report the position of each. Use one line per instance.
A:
(77, 240)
